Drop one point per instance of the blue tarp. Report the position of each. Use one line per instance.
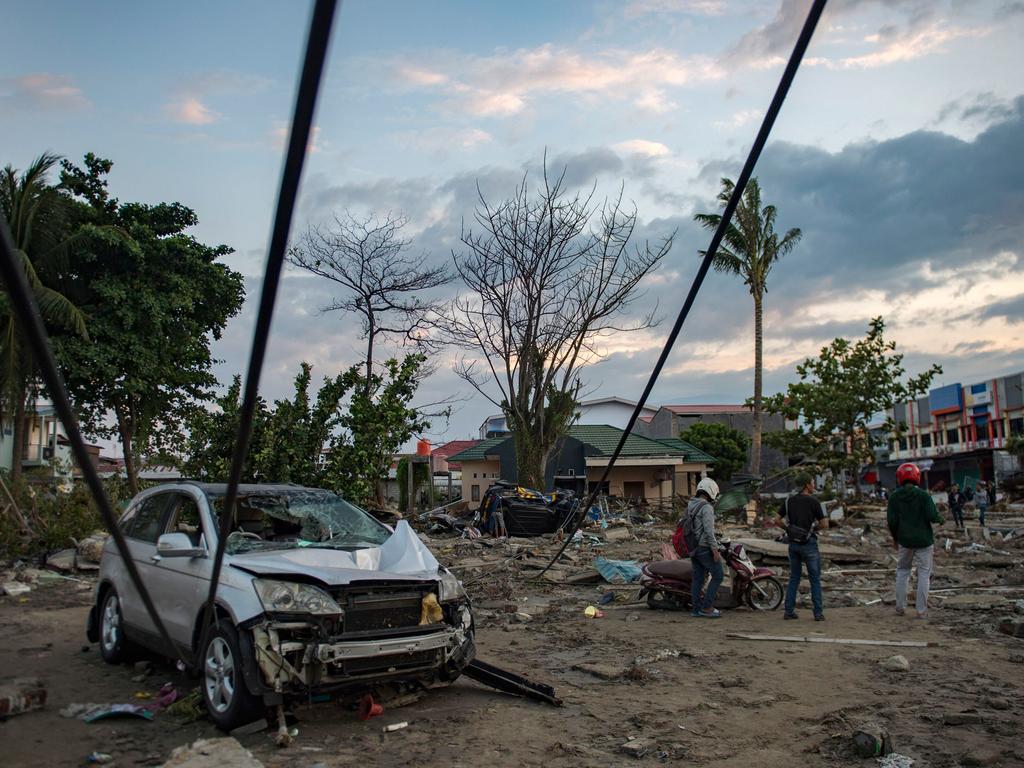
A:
(618, 571)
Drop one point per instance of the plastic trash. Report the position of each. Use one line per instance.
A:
(618, 571)
(592, 612)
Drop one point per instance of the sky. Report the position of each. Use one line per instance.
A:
(898, 154)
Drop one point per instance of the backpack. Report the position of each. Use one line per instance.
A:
(686, 539)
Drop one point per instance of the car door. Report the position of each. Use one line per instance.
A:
(180, 584)
(145, 528)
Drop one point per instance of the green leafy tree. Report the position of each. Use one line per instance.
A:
(213, 434)
(729, 446)
(37, 214)
(1015, 445)
(839, 395)
(154, 299)
(749, 249)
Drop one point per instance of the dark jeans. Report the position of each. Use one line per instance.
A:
(799, 555)
(958, 515)
(704, 563)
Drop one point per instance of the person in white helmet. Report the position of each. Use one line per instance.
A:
(705, 556)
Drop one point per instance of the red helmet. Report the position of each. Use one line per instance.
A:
(908, 473)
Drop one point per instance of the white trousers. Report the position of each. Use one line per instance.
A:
(908, 558)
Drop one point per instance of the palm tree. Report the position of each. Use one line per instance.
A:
(37, 216)
(749, 248)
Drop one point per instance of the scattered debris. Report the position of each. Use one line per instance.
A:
(962, 718)
(99, 758)
(592, 612)
(509, 682)
(21, 695)
(835, 640)
(395, 727)
(871, 740)
(15, 588)
(618, 571)
(1012, 627)
(896, 760)
(224, 752)
(637, 747)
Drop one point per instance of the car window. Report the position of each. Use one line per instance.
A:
(184, 518)
(147, 523)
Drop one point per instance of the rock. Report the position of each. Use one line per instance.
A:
(618, 533)
(638, 747)
(90, 548)
(63, 560)
(1017, 658)
(1012, 627)
(962, 718)
(982, 756)
(21, 695)
(14, 588)
(521, 618)
(213, 753)
(896, 663)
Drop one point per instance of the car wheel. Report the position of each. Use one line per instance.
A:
(114, 647)
(228, 701)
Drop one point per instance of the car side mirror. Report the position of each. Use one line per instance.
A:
(178, 545)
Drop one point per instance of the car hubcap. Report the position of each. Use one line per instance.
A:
(111, 624)
(219, 674)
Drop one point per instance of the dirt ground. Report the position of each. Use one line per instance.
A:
(694, 694)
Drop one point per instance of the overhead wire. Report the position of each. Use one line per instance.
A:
(803, 40)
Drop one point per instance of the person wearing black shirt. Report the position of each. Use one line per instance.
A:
(800, 514)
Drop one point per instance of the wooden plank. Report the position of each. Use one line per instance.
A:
(780, 549)
(832, 640)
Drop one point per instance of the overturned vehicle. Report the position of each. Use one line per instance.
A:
(508, 509)
(315, 597)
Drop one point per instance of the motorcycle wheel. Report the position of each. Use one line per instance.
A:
(765, 594)
(666, 601)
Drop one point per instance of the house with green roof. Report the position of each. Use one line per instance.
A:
(648, 469)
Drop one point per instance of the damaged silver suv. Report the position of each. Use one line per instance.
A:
(316, 597)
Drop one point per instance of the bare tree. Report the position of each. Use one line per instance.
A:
(549, 274)
(382, 281)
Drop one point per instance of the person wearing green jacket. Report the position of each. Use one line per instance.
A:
(910, 516)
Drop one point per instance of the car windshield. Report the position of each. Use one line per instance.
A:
(289, 519)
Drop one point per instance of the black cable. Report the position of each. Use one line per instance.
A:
(24, 306)
(317, 45)
(748, 168)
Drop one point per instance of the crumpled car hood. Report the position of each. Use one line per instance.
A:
(403, 557)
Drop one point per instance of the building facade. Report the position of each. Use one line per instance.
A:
(957, 432)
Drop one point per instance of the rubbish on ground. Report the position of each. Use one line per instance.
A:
(509, 682)
(592, 612)
(21, 695)
(606, 598)
(99, 758)
(212, 753)
(118, 710)
(15, 588)
(395, 727)
(369, 708)
(602, 671)
(780, 550)
(90, 549)
(257, 726)
(835, 640)
(870, 740)
(617, 571)
(65, 560)
(896, 664)
(638, 747)
(1012, 627)
(963, 718)
(895, 760)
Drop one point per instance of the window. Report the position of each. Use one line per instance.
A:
(951, 437)
(572, 472)
(913, 442)
(147, 522)
(474, 492)
(184, 518)
(926, 441)
(1017, 426)
(903, 443)
(474, 475)
(982, 429)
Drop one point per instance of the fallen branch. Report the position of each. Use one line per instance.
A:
(832, 640)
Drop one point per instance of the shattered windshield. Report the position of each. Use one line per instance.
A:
(288, 519)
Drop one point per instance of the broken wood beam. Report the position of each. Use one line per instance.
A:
(831, 640)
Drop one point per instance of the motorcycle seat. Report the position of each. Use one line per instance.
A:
(672, 569)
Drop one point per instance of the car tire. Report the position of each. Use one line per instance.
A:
(114, 646)
(228, 702)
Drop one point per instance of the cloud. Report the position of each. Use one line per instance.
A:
(1012, 310)
(278, 138)
(506, 83)
(740, 119)
(41, 90)
(642, 147)
(976, 109)
(895, 46)
(191, 111)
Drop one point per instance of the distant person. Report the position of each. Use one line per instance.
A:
(704, 555)
(910, 516)
(801, 514)
(982, 502)
(956, 505)
(990, 492)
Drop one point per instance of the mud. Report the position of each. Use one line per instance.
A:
(663, 685)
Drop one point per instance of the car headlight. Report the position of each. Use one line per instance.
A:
(450, 587)
(293, 597)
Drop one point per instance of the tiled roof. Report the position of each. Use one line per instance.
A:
(693, 453)
(604, 438)
(479, 451)
(704, 408)
(453, 447)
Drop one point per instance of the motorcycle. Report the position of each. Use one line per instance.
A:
(666, 583)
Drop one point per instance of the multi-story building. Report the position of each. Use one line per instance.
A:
(957, 432)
